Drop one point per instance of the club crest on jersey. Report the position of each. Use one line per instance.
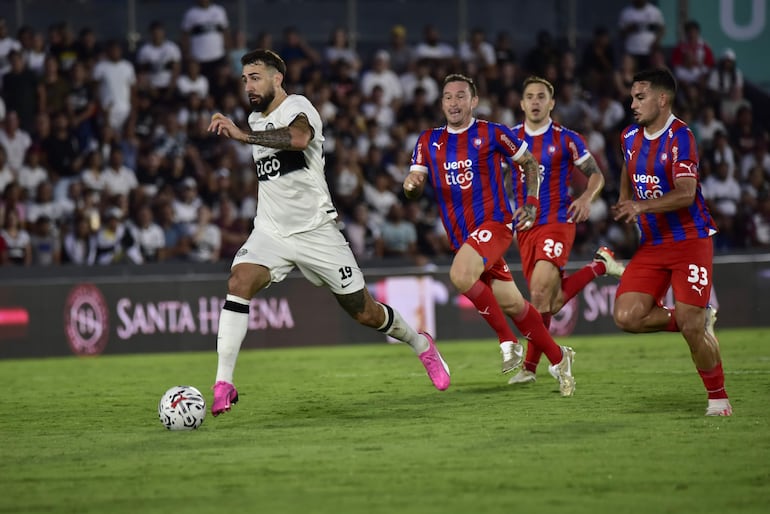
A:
(477, 142)
(663, 158)
(551, 149)
(269, 126)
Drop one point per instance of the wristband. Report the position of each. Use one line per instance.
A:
(532, 200)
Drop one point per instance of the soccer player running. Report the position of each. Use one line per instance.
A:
(294, 225)
(660, 189)
(546, 247)
(463, 161)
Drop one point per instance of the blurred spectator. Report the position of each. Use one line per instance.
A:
(149, 235)
(759, 157)
(641, 27)
(606, 112)
(338, 48)
(362, 234)
(187, 202)
(570, 108)
(206, 36)
(205, 237)
(597, 64)
(44, 204)
(162, 58)
(432, 47)
(32, 173)
(757, 186)
(82, 106)
(380, 197)
(692, 50)
(725, 81)
(7, 176)
(543, 54)
(15, 140)
(177, 241)
(347, 181)
(401, 54)
(722, 194)
(192, 81)
(477, 53)
(7, 45)
(34, 49)
(419, 77)
(759, 229)
(61, 148)
(61, 44)
(117, 85)
(56, 86)
(381, 75)
(296, 51)
(22, 91)
(706, 126)
(79, 246)
(399, 235)
(504, 52)
(723, 152)
(115, 244)
(93, 176)
(17, 240)
(45, 242)
(234, 229)
(87, 48)
(3, 252)
(12, 200)
(743, 132)
(119, 179)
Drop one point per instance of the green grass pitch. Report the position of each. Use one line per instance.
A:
(359, 429)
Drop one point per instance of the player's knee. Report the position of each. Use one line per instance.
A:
(462, 278)
(243, 284)
(626, 320)
(539, 297)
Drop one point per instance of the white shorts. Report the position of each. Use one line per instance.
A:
(322, 255)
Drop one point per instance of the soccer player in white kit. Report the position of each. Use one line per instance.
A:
(295, 225)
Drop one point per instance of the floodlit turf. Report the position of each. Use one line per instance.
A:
(361, 430)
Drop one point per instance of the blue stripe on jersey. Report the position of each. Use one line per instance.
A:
(677, 230)
(546, 160)
(436, 178)
(566, 162)
(473, 155)
(457, 197)
(496, 178)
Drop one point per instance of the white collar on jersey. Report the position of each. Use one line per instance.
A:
(460, 131)
(538, 132)
(657, 134)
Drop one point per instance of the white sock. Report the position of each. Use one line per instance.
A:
(233, 324)
(396, 327)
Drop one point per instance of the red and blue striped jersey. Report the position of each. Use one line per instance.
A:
(653, 163)
(558, 150)
(465, 169)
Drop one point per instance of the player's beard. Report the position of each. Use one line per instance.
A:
(261, 103)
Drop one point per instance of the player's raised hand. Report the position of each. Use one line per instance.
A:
(222, 125)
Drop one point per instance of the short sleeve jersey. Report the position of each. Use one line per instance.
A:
(293, 195)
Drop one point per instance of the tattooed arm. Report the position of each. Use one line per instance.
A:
(526, 215)
(296, 136)
(579, 210)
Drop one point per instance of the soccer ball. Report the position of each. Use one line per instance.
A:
(182, 408)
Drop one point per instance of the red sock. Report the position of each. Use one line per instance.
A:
(714, 380)
(531, 326)
(485, 302)
(533, 352)
(672, 326)
(573, 284)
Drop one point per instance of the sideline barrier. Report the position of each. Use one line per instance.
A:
(176, 308)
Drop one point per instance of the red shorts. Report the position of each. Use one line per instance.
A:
(551, 242)
(491, 240)
(686, 266)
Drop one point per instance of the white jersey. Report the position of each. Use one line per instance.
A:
(293, 195)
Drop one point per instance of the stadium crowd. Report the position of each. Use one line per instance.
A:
(105, 157)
